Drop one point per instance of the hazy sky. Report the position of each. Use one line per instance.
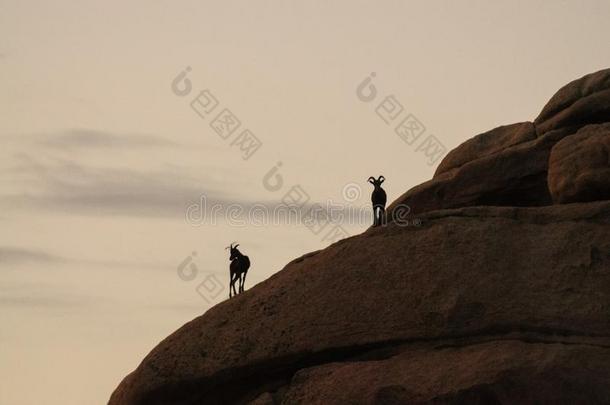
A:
(100, 157)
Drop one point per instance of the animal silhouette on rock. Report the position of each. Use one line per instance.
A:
(238, 268)
(378, 198)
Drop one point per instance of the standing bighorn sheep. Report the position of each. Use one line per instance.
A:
(238, 268)
(378, 198)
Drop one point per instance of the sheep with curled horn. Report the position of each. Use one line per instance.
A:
(238, 269)
(378, 198)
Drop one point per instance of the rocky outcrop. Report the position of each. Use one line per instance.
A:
(499, 297)
(579, 166)
(487, 144)
(514, 176)
(508, 166)
(583, 101)
(467, 277)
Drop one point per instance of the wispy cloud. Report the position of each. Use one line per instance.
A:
(42, 295)
(41, 179)
(11, 255)
(44, 301)
(71, 188)
(67, 186)
(90, 138)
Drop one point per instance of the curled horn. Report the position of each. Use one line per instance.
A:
(371, 180)
(381, 179)
(231, 246)
(235, 247)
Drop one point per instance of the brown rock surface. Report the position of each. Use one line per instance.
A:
(579, 166)
(467, 275)
(583, 101)
(508, 371)
(486, 144)
(514, 176)
(508, 166)
(499, 297)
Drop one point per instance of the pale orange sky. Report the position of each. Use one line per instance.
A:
(100, 158)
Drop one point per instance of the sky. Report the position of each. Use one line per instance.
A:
(123, 170)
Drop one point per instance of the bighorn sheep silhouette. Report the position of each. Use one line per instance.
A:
(238, 268)
(378, 198)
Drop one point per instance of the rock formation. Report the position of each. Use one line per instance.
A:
(501, 296)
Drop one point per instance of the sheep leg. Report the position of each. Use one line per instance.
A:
(232, 285)
(243, 283)
(375, 215)
(236, 280)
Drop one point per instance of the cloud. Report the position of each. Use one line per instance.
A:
(46, 180)
(42, 295)
(42, 182)
(71, 188)
(12, 255)
(90, 138)
(44, 301)
(67, 186)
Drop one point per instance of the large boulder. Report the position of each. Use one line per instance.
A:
(579, 166)
(469, 277)
(583, 101)
(508, 166)
(513, 176)
(487, 144)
